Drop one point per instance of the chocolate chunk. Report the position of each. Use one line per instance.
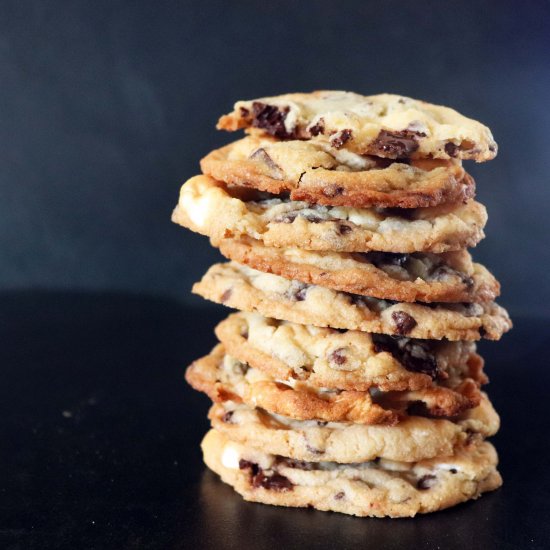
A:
(226, 295)
(405, 213)
(414, 355)
(228, 416)
(271, 119)
(273, 482)
(386, 258)
(261, 155)
(297, 292)
(396, 144)
(404, 322)
(418, 408)
(247, 465)
(339, 139)
(339, 496)
(338, 356)
(451, 149)
(317, 128)
(425, 482)
(344, 229)
(260, 479)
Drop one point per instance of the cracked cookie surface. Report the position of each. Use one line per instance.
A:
(386, 125)
(318, 174)
(376, 488)
(211, 208)
(243, 288)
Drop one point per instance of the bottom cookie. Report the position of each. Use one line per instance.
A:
(378, 488)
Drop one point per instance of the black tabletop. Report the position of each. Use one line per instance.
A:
(100, 440)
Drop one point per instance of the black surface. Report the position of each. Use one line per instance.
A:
(106, 106)
(100, 440)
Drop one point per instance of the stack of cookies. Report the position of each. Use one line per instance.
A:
(348, 380)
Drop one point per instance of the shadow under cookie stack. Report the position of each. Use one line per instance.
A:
(348, 380)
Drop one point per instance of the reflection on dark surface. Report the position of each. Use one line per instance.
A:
(470, 525)
(100, 440)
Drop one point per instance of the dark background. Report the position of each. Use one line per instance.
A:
(106, 108)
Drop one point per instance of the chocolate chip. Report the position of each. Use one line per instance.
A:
(286, 218)
(344, 229)
(261, 155)
(298, 464)
(260, 479)
(297, 291)
(333, 190)
(338, 356)
(313, 450)
(396, 144)
(271, 119)
(289, 217)
(405, 213)
(274, 482)
(247, 465)
(244, 112)
(492, 148)
(404, 322)
(317, 128)
(425, 482)
(228, 416)
(386, 258)
(453, 470)
(414, 355)
(482, 332)
(226, 295)
(322, 424)
(339, 496)
(339, 139)
(451, 149)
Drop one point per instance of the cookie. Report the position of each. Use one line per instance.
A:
(211, 208)
(224, 378)
(384, 125)
(318, 174)
(420, 276)
(243, 288)
(347, 360)
(375, 489)
(414, 438)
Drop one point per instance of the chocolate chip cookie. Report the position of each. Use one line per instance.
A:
(319, 174)
(377, 488)
(212, 208)
(243, 288)
(384, 125)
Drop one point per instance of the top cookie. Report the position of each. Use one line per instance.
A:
(384, 125)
